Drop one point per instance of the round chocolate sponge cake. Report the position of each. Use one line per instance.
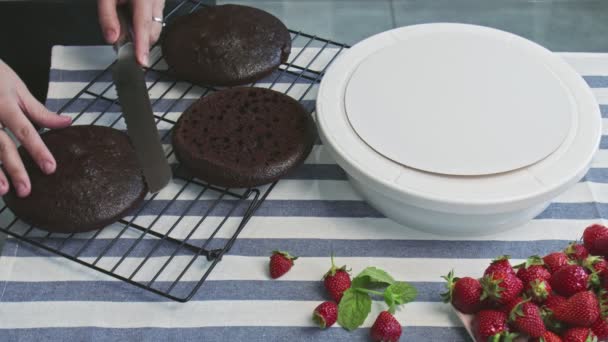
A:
(97, 181)
(225, 45)
(243, 137)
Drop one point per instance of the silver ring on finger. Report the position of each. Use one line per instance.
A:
(159, 20)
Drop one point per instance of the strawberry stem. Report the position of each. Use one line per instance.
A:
(491, 287)
(285, 254)
(509, 337)
(517, 310)
(450, 281)
(594, 280)
(332, 271)
(531, 261)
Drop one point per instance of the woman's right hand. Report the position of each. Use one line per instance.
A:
(17, 104)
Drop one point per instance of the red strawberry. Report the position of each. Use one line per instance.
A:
(337, 280)
(526, 318)
(555, 261)
(569, 280)
(582, 309)
(576, 251)
(501, 287)
(548, 337)
(601, 246)
(280, 263)
(463, 293)
(538, 290)
(579, 335)
(592, 234)
(499, 264)
(533, 269)
(386, 328)
(326, 314)
(490, 323)
(600, 328)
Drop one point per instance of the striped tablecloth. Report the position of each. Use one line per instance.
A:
(311, 214)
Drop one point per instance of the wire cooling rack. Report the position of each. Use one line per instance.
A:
(171, 244)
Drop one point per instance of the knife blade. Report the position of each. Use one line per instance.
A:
(134, 100)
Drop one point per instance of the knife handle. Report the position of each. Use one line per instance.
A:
(126, 27)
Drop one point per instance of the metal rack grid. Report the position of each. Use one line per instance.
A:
(159, 246)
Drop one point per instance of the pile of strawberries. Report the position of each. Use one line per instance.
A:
(352, 301)
(559, 297)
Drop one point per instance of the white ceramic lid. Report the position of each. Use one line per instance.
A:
(458, 118)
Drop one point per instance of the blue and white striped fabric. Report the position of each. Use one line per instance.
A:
(312, 213)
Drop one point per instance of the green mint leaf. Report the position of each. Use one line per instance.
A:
(400, 293)
(372, 276)
(353, 309)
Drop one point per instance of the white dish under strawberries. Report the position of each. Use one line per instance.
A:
(457, 129)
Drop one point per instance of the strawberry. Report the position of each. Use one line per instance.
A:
(336, 281)
(600, 328)
(579, 335)
(533, 269)
(555, 261)
(569, 280)
(538, 290)
(526, 318)
(548, 337)
(499, 264)
(501, 287)
(592, 234)
(601, 246)
(386, 328)
(582, 309)
(490, 324)
(576, 252)
(326, 314)
(280, 263)
(463, 293)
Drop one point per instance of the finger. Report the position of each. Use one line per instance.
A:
(3, 182)
(142, 19)
(108, 20)
(157, 10)
(30, 139)
(40, 115)
(13, 165)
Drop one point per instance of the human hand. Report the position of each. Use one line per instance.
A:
(17, 104)
(145, 30)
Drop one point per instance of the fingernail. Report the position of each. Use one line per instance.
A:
(21, 189)
(48, 167)
(145, 59)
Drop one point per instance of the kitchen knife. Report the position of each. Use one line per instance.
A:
(133, 96)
